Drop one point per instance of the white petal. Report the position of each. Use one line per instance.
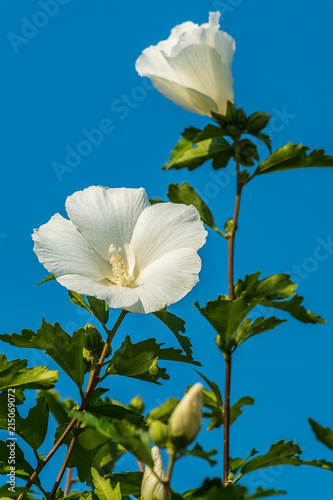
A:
(163, 228)
(166, 280)
(117, 297)
(200, 67)
(106, 216)
(186, 98)
(62, 249)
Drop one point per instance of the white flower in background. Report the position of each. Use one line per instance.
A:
(151, 487)
(119, 248)
(193, 66)
(185, 420)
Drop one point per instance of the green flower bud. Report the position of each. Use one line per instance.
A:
(159, 433)
(137, 404)
(93, 338)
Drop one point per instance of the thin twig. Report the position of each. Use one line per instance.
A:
(98, 367)
(69, 482)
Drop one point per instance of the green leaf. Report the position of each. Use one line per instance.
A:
(248, 328)
(15, 374)
(282, 453)
(117, 412)
(235, 464)
(271, 291)
(92, 449)
(133, 439)
(65, 350)
(130, 482)
(176, 325)
(50, 277)
(33, 428)
(293, 156)
(197, 451)
(59, 409)
(199, 146)
(236, 409)
(103, 488)
(187, 195)
(140, 360)
(323, 434)
(99, 309)
(225, 315)
(162, 412)
(295, 308)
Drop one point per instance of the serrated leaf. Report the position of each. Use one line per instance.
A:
(198, 451)
(33, 428)
(248, 328)
(323, 434)
(176, 325)
(65, 350)
(6, 493)
(198, 146)
(261, 493)
(225, 315)
(282, 453)
(15, 374)
(93, 449)
(103, 488)
(292, 156)
(186, 194)
(133, 439)
(271, 291)
(130, 482)
(140, 360)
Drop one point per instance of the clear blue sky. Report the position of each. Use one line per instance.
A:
(72, 73)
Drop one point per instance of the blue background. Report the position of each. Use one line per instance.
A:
(71, 74)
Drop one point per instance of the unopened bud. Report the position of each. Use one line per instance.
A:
(151, 487)
(185, 421)
(137, 404)
(93, 338)
(159, 433)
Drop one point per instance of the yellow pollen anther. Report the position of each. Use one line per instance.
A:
(119, 269)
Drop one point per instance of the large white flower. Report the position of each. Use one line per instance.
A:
(193, 66)
(119, 248)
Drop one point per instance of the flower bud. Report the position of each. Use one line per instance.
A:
(185, 421)
(159, 433)
(151, 487)
(93, 338)
(137, 404)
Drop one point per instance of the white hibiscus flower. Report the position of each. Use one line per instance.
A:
(193, 66)
(119, 248)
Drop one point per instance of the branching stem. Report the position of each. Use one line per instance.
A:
(90, 389)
